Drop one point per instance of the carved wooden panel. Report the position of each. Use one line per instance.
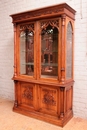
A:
(48, 99)
(69, 99)
(27, 94)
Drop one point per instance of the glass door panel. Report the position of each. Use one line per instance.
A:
(27, 52)
(69, 52)
(49, 52)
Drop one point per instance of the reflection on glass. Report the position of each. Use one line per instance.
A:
(49, 52)
(69, 52)
(27, 52)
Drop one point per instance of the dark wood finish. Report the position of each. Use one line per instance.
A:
(43, 90)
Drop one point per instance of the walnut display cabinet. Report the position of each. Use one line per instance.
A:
(43, 63)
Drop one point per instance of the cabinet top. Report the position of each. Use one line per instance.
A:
(59, 10)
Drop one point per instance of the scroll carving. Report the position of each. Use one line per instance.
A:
(28, 93)
(48, 97)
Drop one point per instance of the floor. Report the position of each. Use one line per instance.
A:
(10, 120)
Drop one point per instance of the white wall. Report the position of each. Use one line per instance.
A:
(8, 7)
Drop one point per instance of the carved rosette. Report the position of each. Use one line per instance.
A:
(28, 93)
(48, 97)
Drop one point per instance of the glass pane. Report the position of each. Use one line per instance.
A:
(49, 52)
(69, 52)
(27, 53)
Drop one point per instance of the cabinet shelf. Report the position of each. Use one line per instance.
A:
(49, 64)
(27, 51)
(30, 63)
(48, 51)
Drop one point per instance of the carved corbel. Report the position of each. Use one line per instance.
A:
(62, 88)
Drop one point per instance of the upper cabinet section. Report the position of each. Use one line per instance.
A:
(43, 44)
(47, 12)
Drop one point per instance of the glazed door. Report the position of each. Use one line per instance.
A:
(26, 50)
(49, 50)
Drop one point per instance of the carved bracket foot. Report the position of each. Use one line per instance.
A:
(15, 103)
(61, 115)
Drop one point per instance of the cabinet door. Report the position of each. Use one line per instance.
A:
(48, 100)
(49, 49)
(26, 49)
(27, 95)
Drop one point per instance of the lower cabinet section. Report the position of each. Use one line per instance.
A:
(49, 103)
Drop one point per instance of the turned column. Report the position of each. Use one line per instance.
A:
(63, 49)
(15, 60)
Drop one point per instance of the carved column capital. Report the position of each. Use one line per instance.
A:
(61, 88)
(63, 19)
(14, 24)
(15, 81)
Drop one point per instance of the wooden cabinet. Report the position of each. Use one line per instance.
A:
(43, 63)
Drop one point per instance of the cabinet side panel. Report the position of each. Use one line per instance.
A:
(69, 99)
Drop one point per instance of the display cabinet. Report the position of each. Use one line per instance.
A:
(43, 63)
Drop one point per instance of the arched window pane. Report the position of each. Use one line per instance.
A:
(69, 52)
(27, 52)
